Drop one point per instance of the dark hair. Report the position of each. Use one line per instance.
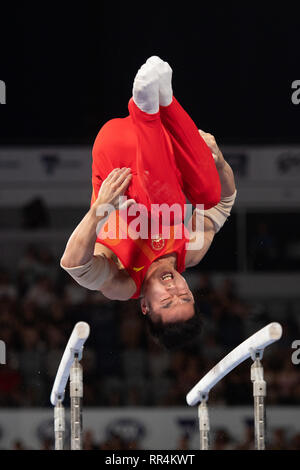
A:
(174, 336)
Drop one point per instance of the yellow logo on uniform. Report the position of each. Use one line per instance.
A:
(138, 269)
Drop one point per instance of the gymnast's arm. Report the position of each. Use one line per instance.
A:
(87, 264)
(214, 218)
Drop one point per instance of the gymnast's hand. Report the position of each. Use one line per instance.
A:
(212, 144)
(224, 169)
(113, 187)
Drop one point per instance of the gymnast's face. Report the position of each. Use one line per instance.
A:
(166, 295)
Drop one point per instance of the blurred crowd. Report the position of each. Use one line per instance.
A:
(221, 439)
(123, 366)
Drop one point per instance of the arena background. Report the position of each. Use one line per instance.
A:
(66, 73)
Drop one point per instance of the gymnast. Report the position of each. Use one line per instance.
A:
(155, 156)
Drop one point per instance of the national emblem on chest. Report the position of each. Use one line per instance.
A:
(158, 243)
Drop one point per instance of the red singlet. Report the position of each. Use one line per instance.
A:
(137, 255)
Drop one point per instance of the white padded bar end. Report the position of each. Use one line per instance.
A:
(257, 342)
(75, 345)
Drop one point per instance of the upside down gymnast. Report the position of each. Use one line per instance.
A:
(156, 155)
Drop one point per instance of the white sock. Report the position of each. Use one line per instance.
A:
(146, 89)
(165, 80)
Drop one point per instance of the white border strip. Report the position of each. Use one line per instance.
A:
(258, 342)
(75, 344)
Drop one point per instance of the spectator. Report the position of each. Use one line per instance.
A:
(28, 269)
(278, 440)
(89, 441)
(35, 215)
(7, 288)
(222, 440)
(42, 293)
(31, 363)
(248, 441)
